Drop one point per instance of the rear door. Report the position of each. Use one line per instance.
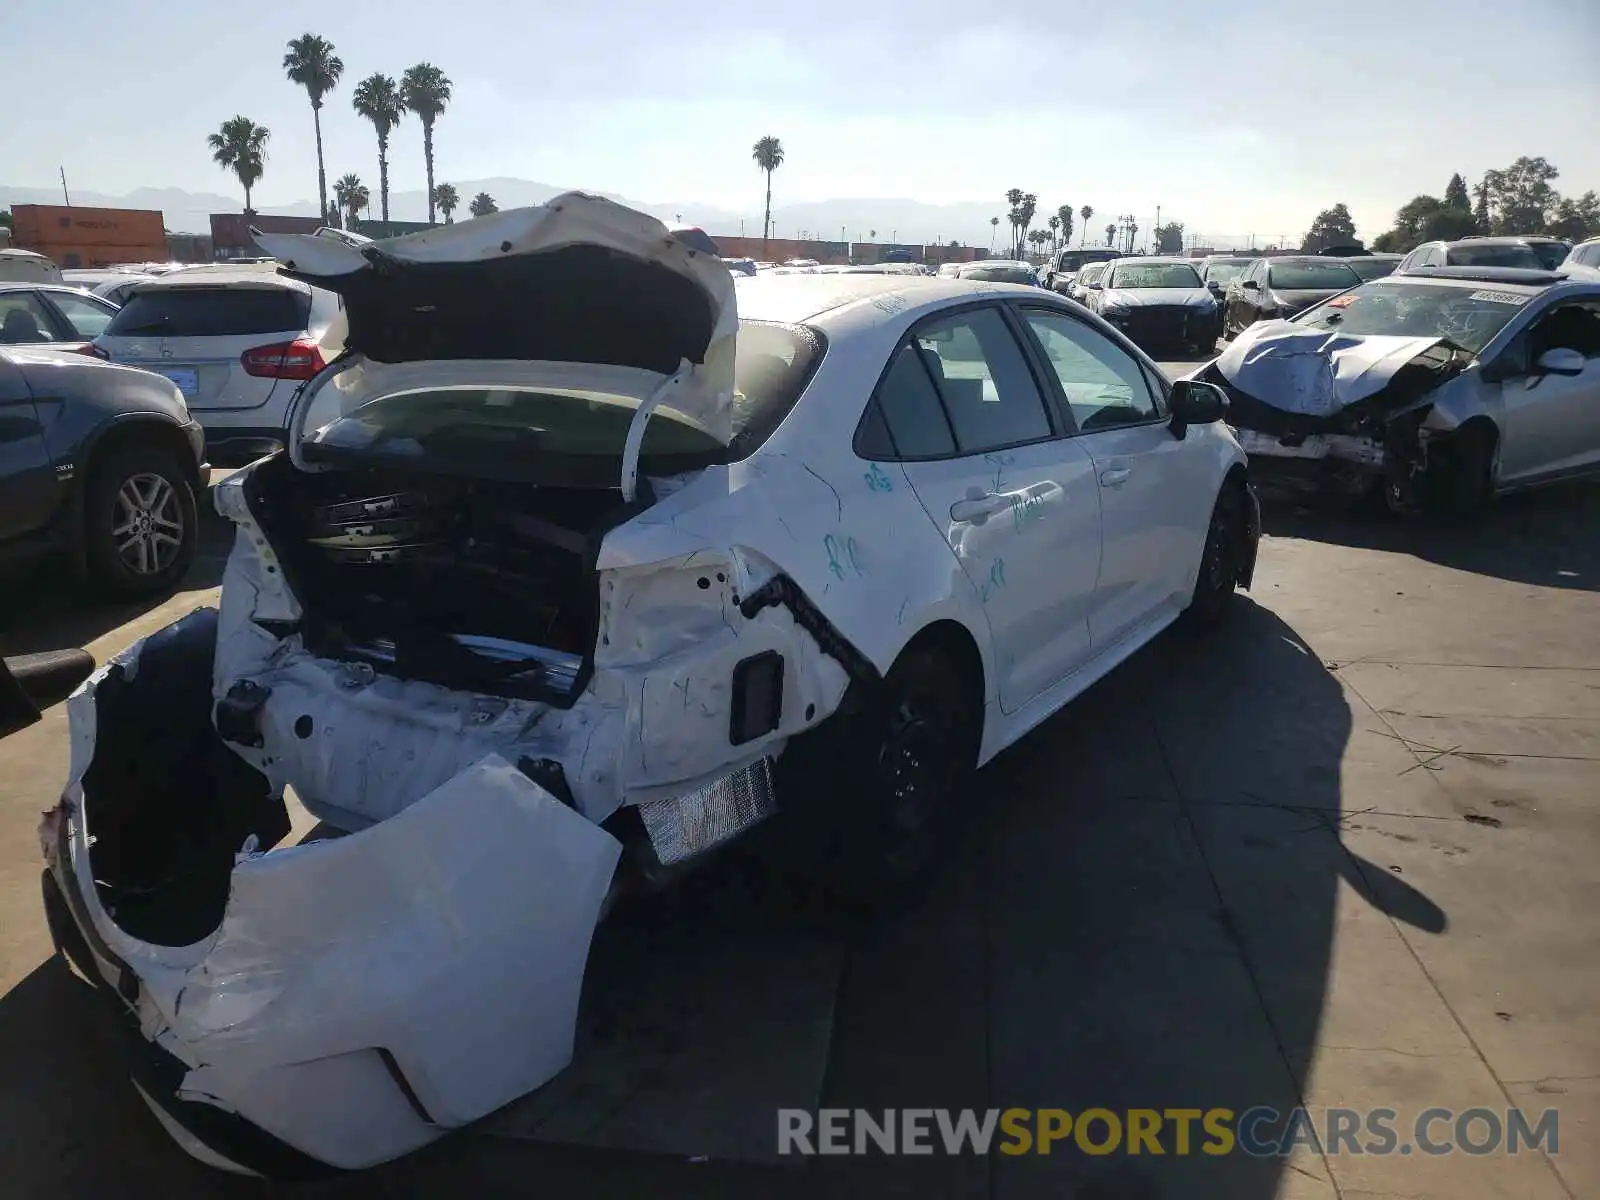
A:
(1155, 492)
(1014, 498)
(28, 487)
(197, 334)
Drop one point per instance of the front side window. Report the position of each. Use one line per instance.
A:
(983, 379)
(1105, 386)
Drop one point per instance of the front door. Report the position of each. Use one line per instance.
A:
(1156, 492)
(1015, 500)
(1551, 423)
(28, 489)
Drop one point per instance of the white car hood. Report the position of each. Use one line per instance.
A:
(571, 293)
(1312, 371)
(1165, 297)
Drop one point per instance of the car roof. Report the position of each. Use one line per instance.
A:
(1147, 259)
(223, 277)
(1517, 240)
(1302, 259)
(1380, 255)
(844, 299)
(997, 262)
(38, 285)
(1522, 277)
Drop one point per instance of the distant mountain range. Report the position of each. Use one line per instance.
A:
(854, 220)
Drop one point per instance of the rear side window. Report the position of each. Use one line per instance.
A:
(211, 312)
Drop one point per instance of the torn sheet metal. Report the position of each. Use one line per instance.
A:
(1313, 372)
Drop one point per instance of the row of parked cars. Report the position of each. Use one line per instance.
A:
(119, 388)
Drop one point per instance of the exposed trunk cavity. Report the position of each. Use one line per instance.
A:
(468, 584)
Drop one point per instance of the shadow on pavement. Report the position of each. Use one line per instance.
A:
(48, 609)
(1140, 915)
(1544, 537)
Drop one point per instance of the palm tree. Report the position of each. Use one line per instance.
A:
(482, 205)
(1111, 232)
(378, 100)
(1085, 212)
(240, 146)
(1014, 217)
(994, 230)
(351, 195)
(448, 200)
(312, 64)
(768, 155)
(425, 91)
(1055, 227)
(1029, 206)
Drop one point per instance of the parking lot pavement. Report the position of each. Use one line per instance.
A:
(1347, 852)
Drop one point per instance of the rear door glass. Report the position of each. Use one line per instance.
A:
(211, 312)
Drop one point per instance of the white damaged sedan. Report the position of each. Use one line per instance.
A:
(580, 563)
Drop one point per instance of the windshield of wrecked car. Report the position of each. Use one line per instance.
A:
(510, 430)
(1469, 317)
(1155, 275)
(1320, 276)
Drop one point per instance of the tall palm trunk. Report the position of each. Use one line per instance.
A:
(766, 217)
(383, 177)
(322, 171)
(427, 154)
(247, 209)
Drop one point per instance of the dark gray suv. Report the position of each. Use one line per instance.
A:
(101, 462)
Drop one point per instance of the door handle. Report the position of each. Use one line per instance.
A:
(977, 509)
(1115, 476)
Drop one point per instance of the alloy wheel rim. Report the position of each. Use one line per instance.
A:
(147, 524)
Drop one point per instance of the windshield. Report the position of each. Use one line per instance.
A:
(1312, 276)
(1494, 256)
(1373, 268)
(1154, 275)
(1008, 273)
(1551, 254)
(566, 435)
(1466, 316)
(1221, 272)
(1070, 261)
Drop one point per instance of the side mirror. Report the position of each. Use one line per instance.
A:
(1195, 403)
(1213, 287)
(1561, 361)
(1095, 287)
(1252, 285)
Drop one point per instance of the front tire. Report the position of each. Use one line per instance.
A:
(140, 523)
(1220, 562)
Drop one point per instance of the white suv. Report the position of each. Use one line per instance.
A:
(236, 341)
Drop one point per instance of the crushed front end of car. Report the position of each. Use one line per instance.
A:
(1343, 415)
(512, 668)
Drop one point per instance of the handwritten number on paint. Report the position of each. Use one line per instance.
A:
(996, 580)
(878, 480)
(843, 554)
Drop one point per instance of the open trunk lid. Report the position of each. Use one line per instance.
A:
(579, 299)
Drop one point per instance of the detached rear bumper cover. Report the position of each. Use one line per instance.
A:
(363, 994)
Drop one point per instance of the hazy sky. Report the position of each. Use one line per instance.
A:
(1232, 120)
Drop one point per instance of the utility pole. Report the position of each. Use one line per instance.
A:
(64, 195)
(1158, 227)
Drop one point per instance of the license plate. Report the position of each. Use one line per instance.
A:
(187, 379)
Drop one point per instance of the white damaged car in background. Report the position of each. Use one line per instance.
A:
(1431, 390)
(570, 574)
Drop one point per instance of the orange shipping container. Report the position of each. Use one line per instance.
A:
(38, 225)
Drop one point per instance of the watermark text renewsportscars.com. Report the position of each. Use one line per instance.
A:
(1261, 1131)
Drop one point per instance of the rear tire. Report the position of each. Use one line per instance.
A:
(885, 785)
(140, 523)
(1220, 562)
